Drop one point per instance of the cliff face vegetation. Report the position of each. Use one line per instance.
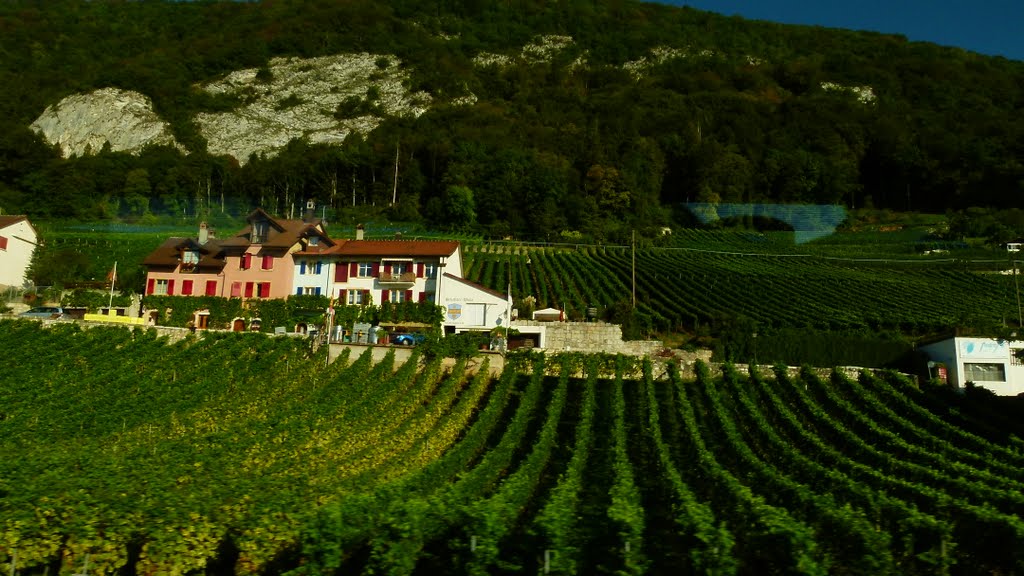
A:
(530, 119)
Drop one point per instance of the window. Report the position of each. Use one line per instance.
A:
(314, 241)
(355, 297)
(979, 372)
(161, 287)
(310, 268)
(1014, 360)
(399, 267)
(263, 290)
(186, 287)
(430, 270)
(211, 287)
(308, 291)
(259, 232)
(236, 289)
(398, 295)
(189, 258)
(246, 262)
(365, 269)
(268, 263)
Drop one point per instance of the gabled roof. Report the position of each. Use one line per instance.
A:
(169, 253)
(398, 248)
(9, 220)
(476, 286)
(282, 233)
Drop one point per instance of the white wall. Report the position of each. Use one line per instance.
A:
(958, 352)
(309, 278)
(470, 307)
(14, 261)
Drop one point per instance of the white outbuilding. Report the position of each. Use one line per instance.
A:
(986, 362)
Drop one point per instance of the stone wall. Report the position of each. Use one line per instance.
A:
(592, 337)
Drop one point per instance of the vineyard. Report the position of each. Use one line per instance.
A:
(746, 275)
(249, 454)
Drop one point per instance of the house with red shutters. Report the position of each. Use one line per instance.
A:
(257, 262)
(275, 258)
(375, 271)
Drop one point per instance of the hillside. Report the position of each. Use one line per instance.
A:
(525, 120)
(245, 454)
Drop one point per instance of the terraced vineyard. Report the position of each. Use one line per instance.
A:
(684, 288)
(247, 454)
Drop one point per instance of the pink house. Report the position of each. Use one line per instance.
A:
(257, 262)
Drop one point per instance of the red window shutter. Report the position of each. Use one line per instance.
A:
(246, 261)
(408, 295)
(236, 289)
(211, 287)
(341, 272)
(170, 287)
(366, 296)
(186, 287)
(419, 270)
(150, 286)
(3, 243)
(248, 289)
(423, 296)
(268, 262)
(342, 296)
(384, 295)
(353, 269)
(387, 268)
(263, 290)
(376, 270)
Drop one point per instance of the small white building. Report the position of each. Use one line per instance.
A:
(469, 306)
(18, 241)
(987, 362)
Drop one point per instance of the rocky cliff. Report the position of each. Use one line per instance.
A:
(85, 123)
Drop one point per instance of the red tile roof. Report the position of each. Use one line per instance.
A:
(396, 248)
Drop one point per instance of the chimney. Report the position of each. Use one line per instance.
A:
(204, 233)
(359, 231)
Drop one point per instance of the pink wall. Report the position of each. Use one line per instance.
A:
(279, 277)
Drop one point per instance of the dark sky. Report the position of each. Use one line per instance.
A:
(994, 27)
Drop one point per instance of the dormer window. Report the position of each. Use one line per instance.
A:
(314, 241)
(260, 229)
(190, 257)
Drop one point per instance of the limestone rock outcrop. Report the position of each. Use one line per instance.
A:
(84, 123)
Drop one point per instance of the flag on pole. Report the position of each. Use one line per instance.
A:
(112, 276)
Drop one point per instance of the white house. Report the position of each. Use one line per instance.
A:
(375, 271)
(17, 243)
(469, 306)
(987, 362)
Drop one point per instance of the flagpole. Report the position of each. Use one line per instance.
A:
(113, 278)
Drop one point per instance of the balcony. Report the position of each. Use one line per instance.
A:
(397, 278)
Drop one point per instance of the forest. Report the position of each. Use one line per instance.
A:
(548, 148)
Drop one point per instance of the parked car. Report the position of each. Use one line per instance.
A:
(50, 312)
(408, 339)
